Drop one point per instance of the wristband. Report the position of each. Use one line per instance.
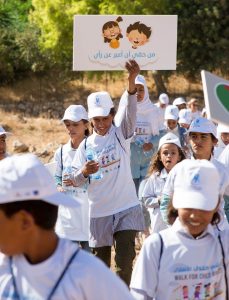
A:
(132, 93)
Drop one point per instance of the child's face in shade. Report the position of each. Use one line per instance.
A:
(11, 241)
(172, 124)
(195, 221)
(140, 92)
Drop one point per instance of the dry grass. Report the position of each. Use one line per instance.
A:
(47, 134)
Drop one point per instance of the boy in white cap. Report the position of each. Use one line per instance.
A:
(202, 138)
(180, 103)
(3, 137)
(115, 212)
(34, 263)
(171, 123)
(72, 223)
(189, 260)
(146, 135)
(223, 139)
(162, 103)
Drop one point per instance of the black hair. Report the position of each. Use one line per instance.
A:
(43, 213)
(172, 214)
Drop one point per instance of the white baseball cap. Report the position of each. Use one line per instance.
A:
(179, 101)
(171, 112)
(221, 128)
(164, 99)
(3, 132)
(99, 104)
(24, 177)
(185, 116)
(196, 185)
(75, 113)
(140, 79)
(202, 125)
(169, 138)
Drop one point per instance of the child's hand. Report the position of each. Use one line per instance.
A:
(147, 147)
(90, 167)
(133, 69)
(60, 189)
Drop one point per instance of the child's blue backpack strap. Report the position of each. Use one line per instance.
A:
(161, 250)
(120, 142)
(85, 148)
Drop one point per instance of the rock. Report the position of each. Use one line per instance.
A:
(19, 147)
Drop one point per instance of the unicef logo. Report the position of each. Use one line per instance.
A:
(97, 101)
(195, 181)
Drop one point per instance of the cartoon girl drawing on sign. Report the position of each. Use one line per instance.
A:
(112, 33)
(138, 34)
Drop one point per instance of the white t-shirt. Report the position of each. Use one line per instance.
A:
(115, 191)
(86, 278)
(189, 268)
(153, 190)
(161, 116)
(147, 123)
(72, 223)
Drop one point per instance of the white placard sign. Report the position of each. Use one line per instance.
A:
(106, 42)
(216, 97)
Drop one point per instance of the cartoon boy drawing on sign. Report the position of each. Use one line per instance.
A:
(138, 34)
(112, 33)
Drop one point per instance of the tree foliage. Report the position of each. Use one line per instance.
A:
(37, 34)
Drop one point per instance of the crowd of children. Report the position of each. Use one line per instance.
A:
(159, 167)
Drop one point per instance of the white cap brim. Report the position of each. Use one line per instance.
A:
(98, 112)
(5, 133)
(170, 117)
(184, 121)
(195, 200)
(62, 199)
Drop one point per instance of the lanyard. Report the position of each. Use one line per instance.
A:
(57, 282)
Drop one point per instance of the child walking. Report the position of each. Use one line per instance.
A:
(72, 223)
(35, 264)
(189, 260)
(115, 212)
(202, 138)
(168, 155)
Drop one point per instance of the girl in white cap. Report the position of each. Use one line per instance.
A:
(168, 155)
(115, 212)
(3, 137)
(72, 223)
(189, 260)
(202, 138)
(223, 139)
